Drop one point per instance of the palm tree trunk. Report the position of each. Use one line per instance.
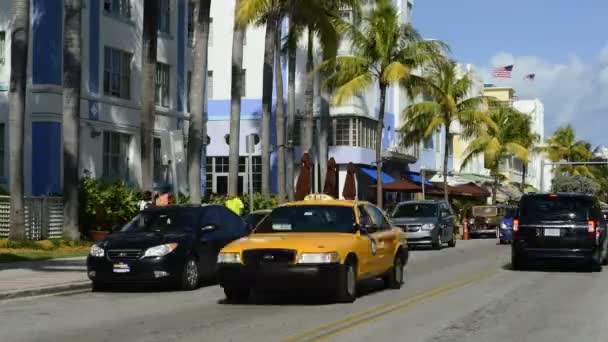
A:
(307, 120)
(267, 75)
(280, 120)
(523, 177)
(148, 109)
(291, 114)
(72, 60)
(197, 127)
(446, 156)
(324, 126)
(235, 105)
(379, 129)
(19, 52)
(495, 188)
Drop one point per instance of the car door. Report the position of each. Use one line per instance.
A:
(207, 241)
(447, 221)
(384, 240)
(366, 248)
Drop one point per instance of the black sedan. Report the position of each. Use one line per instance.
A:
(175, 245)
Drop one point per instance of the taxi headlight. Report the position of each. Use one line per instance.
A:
(319, 258)
(229, 258)
(428, 226)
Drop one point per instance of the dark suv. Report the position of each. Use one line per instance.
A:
(426, 222)
(559, 226)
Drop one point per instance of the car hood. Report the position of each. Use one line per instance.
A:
(306, 242)
(413, 220)
(140, 240)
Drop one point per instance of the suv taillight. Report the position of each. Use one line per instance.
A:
(592, 230)
(515, 225)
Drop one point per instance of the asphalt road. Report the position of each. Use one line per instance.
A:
(467, 293)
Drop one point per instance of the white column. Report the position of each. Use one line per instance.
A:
(341, 179)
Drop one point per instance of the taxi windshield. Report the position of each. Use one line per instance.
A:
(309, 219)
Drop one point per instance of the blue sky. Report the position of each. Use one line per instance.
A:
(563, 42)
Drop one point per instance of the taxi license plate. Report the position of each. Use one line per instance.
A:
(552, 232)
(121, 268)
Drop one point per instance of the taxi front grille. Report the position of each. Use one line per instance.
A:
(269, 256)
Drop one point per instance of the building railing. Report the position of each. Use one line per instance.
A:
(43, 217)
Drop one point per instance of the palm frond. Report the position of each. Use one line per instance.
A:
(352, 88)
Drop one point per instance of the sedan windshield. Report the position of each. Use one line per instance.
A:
(309, 219)
(415, 210)
(173, 220)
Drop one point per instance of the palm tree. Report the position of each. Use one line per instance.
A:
(384, 52)
(266, 12)
(148, 108)
(197, 129)
(450, 102)
(564, 146)
(19, 45)
(497, 139)
(72, 60)
(235, 106)
(280, 121)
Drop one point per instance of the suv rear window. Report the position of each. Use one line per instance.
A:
(561, 208)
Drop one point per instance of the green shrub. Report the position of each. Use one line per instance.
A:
(106, 204)
(260, 202)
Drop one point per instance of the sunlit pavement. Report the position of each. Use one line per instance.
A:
(467, 293)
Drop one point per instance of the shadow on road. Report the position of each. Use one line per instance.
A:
(149, 288)
(552, 266)
(299, 298)
(56, 265)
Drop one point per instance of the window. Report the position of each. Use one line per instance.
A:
(428, 142)
(164, 16)
(116, 155)
(118, 7)
(191, 23)
(158, 161)
(209, 178)
(438, 140)
(377, 217)
(117, 73)
(308, 219)
(342, 131)
(364, 216)
(2, 148)
(2, 47)
(210, 41)
(162, 84)
(415, 210)
(244, 83)
(209, 84)
(451, 144)
(257, 173)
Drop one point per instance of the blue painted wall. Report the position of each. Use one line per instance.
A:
(46, 158)
(47, 41)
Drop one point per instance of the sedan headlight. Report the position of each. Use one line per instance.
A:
(503, 226)
(97, 252)
(159, 251)
(428, 226)
(229, 258)
(319, 258)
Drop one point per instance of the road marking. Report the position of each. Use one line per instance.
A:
(329, 330)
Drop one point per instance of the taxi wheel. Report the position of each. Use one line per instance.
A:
(346, 291)
(394, 280)
(190, 277)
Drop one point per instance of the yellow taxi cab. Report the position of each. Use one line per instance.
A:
(319, 244)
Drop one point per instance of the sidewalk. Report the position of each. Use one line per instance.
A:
(32, 278)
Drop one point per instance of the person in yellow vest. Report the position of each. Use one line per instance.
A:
(235, 204)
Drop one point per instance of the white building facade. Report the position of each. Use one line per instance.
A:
(111, 98)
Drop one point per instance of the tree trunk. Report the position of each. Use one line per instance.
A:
(148, 108)
(267, 75)
(523, 177)
(235, 105)
(280, 120)
(198, 119)
(495, 188)
(379, 128)
(307, 120)
(291, 115)
(324, 126)
(446, 156)
(19, 52)
(72, 61)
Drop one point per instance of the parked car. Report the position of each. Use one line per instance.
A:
(486, 221)
(315, 245)
(506, 216)
(559, 226)
(426, 222)
(255, 217)
(175, 245)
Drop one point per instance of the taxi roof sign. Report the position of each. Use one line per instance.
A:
(318, 197)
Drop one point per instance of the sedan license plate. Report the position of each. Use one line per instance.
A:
(552, 232)
(121, 268)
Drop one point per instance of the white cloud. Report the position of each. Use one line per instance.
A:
(574, 92)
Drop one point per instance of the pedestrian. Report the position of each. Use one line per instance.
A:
(235, 204)
(146, 200)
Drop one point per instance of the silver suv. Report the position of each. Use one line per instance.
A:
(426, 222)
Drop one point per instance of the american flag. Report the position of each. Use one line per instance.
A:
(530, 77)
(503, 72)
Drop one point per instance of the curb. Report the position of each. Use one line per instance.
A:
(32, 292)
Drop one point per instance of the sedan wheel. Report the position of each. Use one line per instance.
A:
(190, 275)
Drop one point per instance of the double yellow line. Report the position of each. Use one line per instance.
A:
(336, 328)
